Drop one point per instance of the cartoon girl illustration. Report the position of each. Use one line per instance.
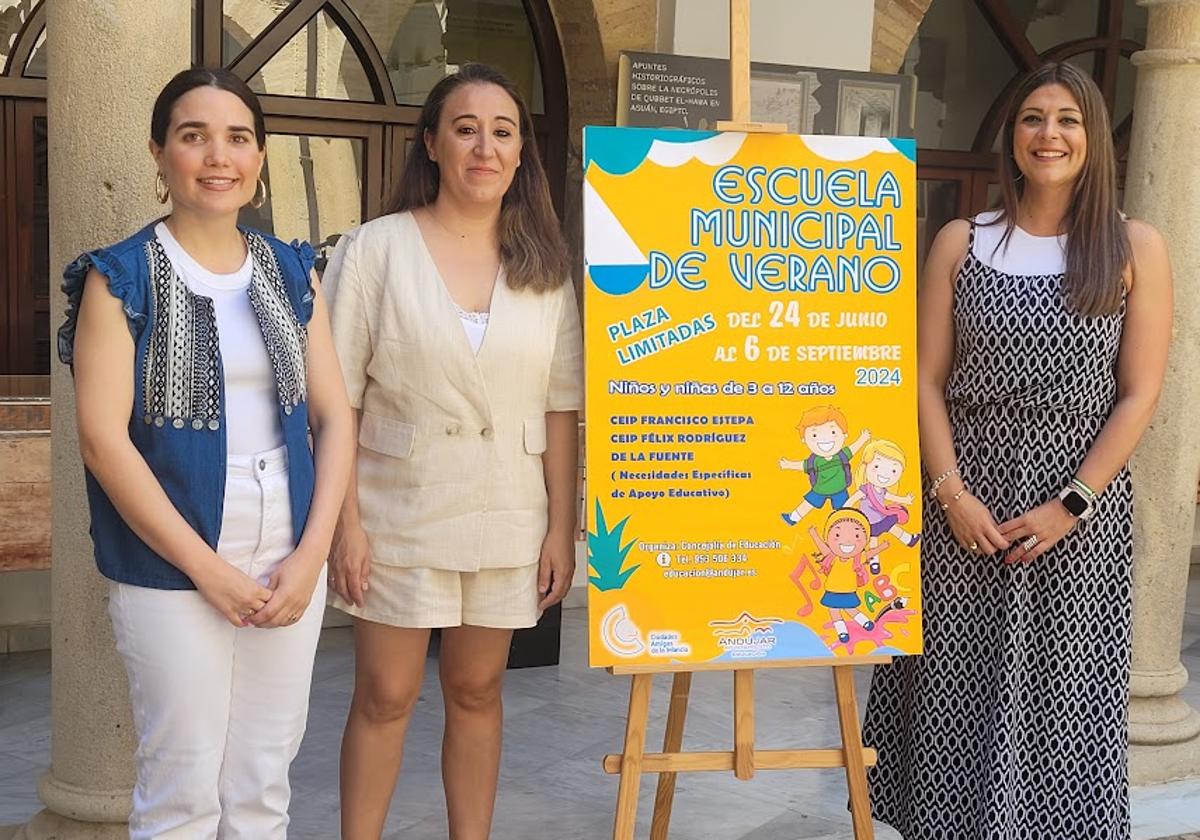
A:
(842, 552)
(878, 472)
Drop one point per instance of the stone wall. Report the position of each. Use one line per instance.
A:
(24, 485)
(24, 500)
(896, 23)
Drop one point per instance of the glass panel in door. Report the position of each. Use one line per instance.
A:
(315, 190)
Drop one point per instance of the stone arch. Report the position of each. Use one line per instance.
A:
(896, 23)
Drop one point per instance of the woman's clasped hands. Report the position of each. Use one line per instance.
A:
(973, 525)
(231, 592)
(1023, 539)
(244, 602)
(1034, 533)
(292, 585)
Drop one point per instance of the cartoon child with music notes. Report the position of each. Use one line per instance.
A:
(842, 552)
(825, 431)
(877, 475)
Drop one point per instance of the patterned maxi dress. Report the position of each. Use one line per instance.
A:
(1012, 725)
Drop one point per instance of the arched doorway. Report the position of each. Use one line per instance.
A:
(968, 56)
(342, 82)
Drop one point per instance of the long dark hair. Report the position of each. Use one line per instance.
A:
(532, 249)
(187, 80)
(1098, 247)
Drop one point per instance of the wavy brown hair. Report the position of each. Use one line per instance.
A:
(532, 249)
(1098, 247)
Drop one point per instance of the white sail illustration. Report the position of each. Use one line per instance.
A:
(614, 262)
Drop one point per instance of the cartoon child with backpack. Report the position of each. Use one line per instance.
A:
(877, 475)
(824, 430)
(842, 552)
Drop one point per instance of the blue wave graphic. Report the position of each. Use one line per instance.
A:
(619, 151)
(619, 279)
(905, 146)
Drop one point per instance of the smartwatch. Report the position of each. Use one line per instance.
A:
(1077, 504)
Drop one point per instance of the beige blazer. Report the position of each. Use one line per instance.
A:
(450, 443)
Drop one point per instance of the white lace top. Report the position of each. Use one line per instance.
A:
(475, 324)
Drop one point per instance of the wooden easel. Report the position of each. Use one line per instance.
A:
(744, 759)
(739, 75)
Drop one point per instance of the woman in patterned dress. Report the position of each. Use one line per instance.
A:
(1044, 328)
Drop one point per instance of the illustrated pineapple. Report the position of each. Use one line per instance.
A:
(606, 556)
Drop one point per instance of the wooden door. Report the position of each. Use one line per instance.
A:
(25, 261)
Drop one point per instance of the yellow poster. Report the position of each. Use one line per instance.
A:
(753, 476)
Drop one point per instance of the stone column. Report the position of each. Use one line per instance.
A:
(1161, 187)
(107, 62)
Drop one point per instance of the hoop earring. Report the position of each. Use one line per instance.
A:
(161, 191)
(257, 202)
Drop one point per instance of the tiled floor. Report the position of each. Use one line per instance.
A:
(560, 723)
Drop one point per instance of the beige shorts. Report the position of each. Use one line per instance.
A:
(419, 597)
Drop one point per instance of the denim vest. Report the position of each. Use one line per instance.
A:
(177, 420)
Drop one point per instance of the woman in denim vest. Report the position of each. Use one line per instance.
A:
(202, 358)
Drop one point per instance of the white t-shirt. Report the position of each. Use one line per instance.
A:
(251, 400)
(1023, 254)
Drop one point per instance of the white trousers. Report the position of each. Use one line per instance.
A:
(219, 710)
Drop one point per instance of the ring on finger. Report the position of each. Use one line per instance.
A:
(974, 546)
(1029, 542)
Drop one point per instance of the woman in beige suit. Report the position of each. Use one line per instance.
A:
(456, 324)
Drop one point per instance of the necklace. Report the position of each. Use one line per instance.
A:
(488, 241)
(450, 233)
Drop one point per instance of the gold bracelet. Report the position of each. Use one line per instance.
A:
(954, 498)
(937, 482)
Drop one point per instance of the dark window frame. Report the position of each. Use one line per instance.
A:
(311, 116)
